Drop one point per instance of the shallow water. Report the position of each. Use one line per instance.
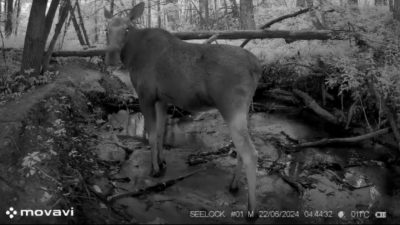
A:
(329, 180)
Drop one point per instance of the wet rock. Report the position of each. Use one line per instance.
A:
(132, 125)
(138, 167)
(135, 125)
(101, 186)
(110, 152)
(119, 120)
(355, 179)
(157, 220)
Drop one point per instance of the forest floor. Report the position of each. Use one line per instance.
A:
(61, 148)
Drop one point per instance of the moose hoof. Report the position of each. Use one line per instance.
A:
(163, 165)
(155, 172)
(160, 171)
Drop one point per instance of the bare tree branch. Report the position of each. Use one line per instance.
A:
(343, 140)
(313, 105)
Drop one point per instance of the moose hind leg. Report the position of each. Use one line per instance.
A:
(246, 150)
(161, 115)
(234, 185)
(149, 112)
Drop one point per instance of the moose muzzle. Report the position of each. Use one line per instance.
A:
(113, 56)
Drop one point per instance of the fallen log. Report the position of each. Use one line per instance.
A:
(282, 96)
(313, 105)
(231, 35)
(270, 23)
(84, 53)
(327, 141)
(261, 34)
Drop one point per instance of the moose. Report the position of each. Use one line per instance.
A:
(195, 77)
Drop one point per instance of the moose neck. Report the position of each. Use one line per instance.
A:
(144, 45)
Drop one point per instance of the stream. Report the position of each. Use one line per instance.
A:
(311, 185)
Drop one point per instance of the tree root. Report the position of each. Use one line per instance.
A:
(153, 188)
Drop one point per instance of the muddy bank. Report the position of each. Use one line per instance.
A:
(45, 157)
(79, 141)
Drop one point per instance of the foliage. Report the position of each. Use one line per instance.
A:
(14, 86)
(372, 62)
(345, 64)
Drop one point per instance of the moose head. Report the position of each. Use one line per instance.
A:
(118, 29)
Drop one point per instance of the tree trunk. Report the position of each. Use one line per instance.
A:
(172, 14)
(226, 8)
(215, 10)
(391, 5)
(50, 17)
(76, 25)
(96, 29)
(353, 2)
(204, 13)
(8, 26)
(247, 15)
(149, 13)
(159, 13)
(18, 8)
(34, 45)
(235, 8)
(66, 25)
(63, 14)
(190, 14)
(82, 24)
(112, 7)
(396, 10)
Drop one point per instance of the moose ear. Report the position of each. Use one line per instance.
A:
(107, 14)
(136, 11)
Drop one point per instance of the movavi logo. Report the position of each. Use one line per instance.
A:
(11, 212)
